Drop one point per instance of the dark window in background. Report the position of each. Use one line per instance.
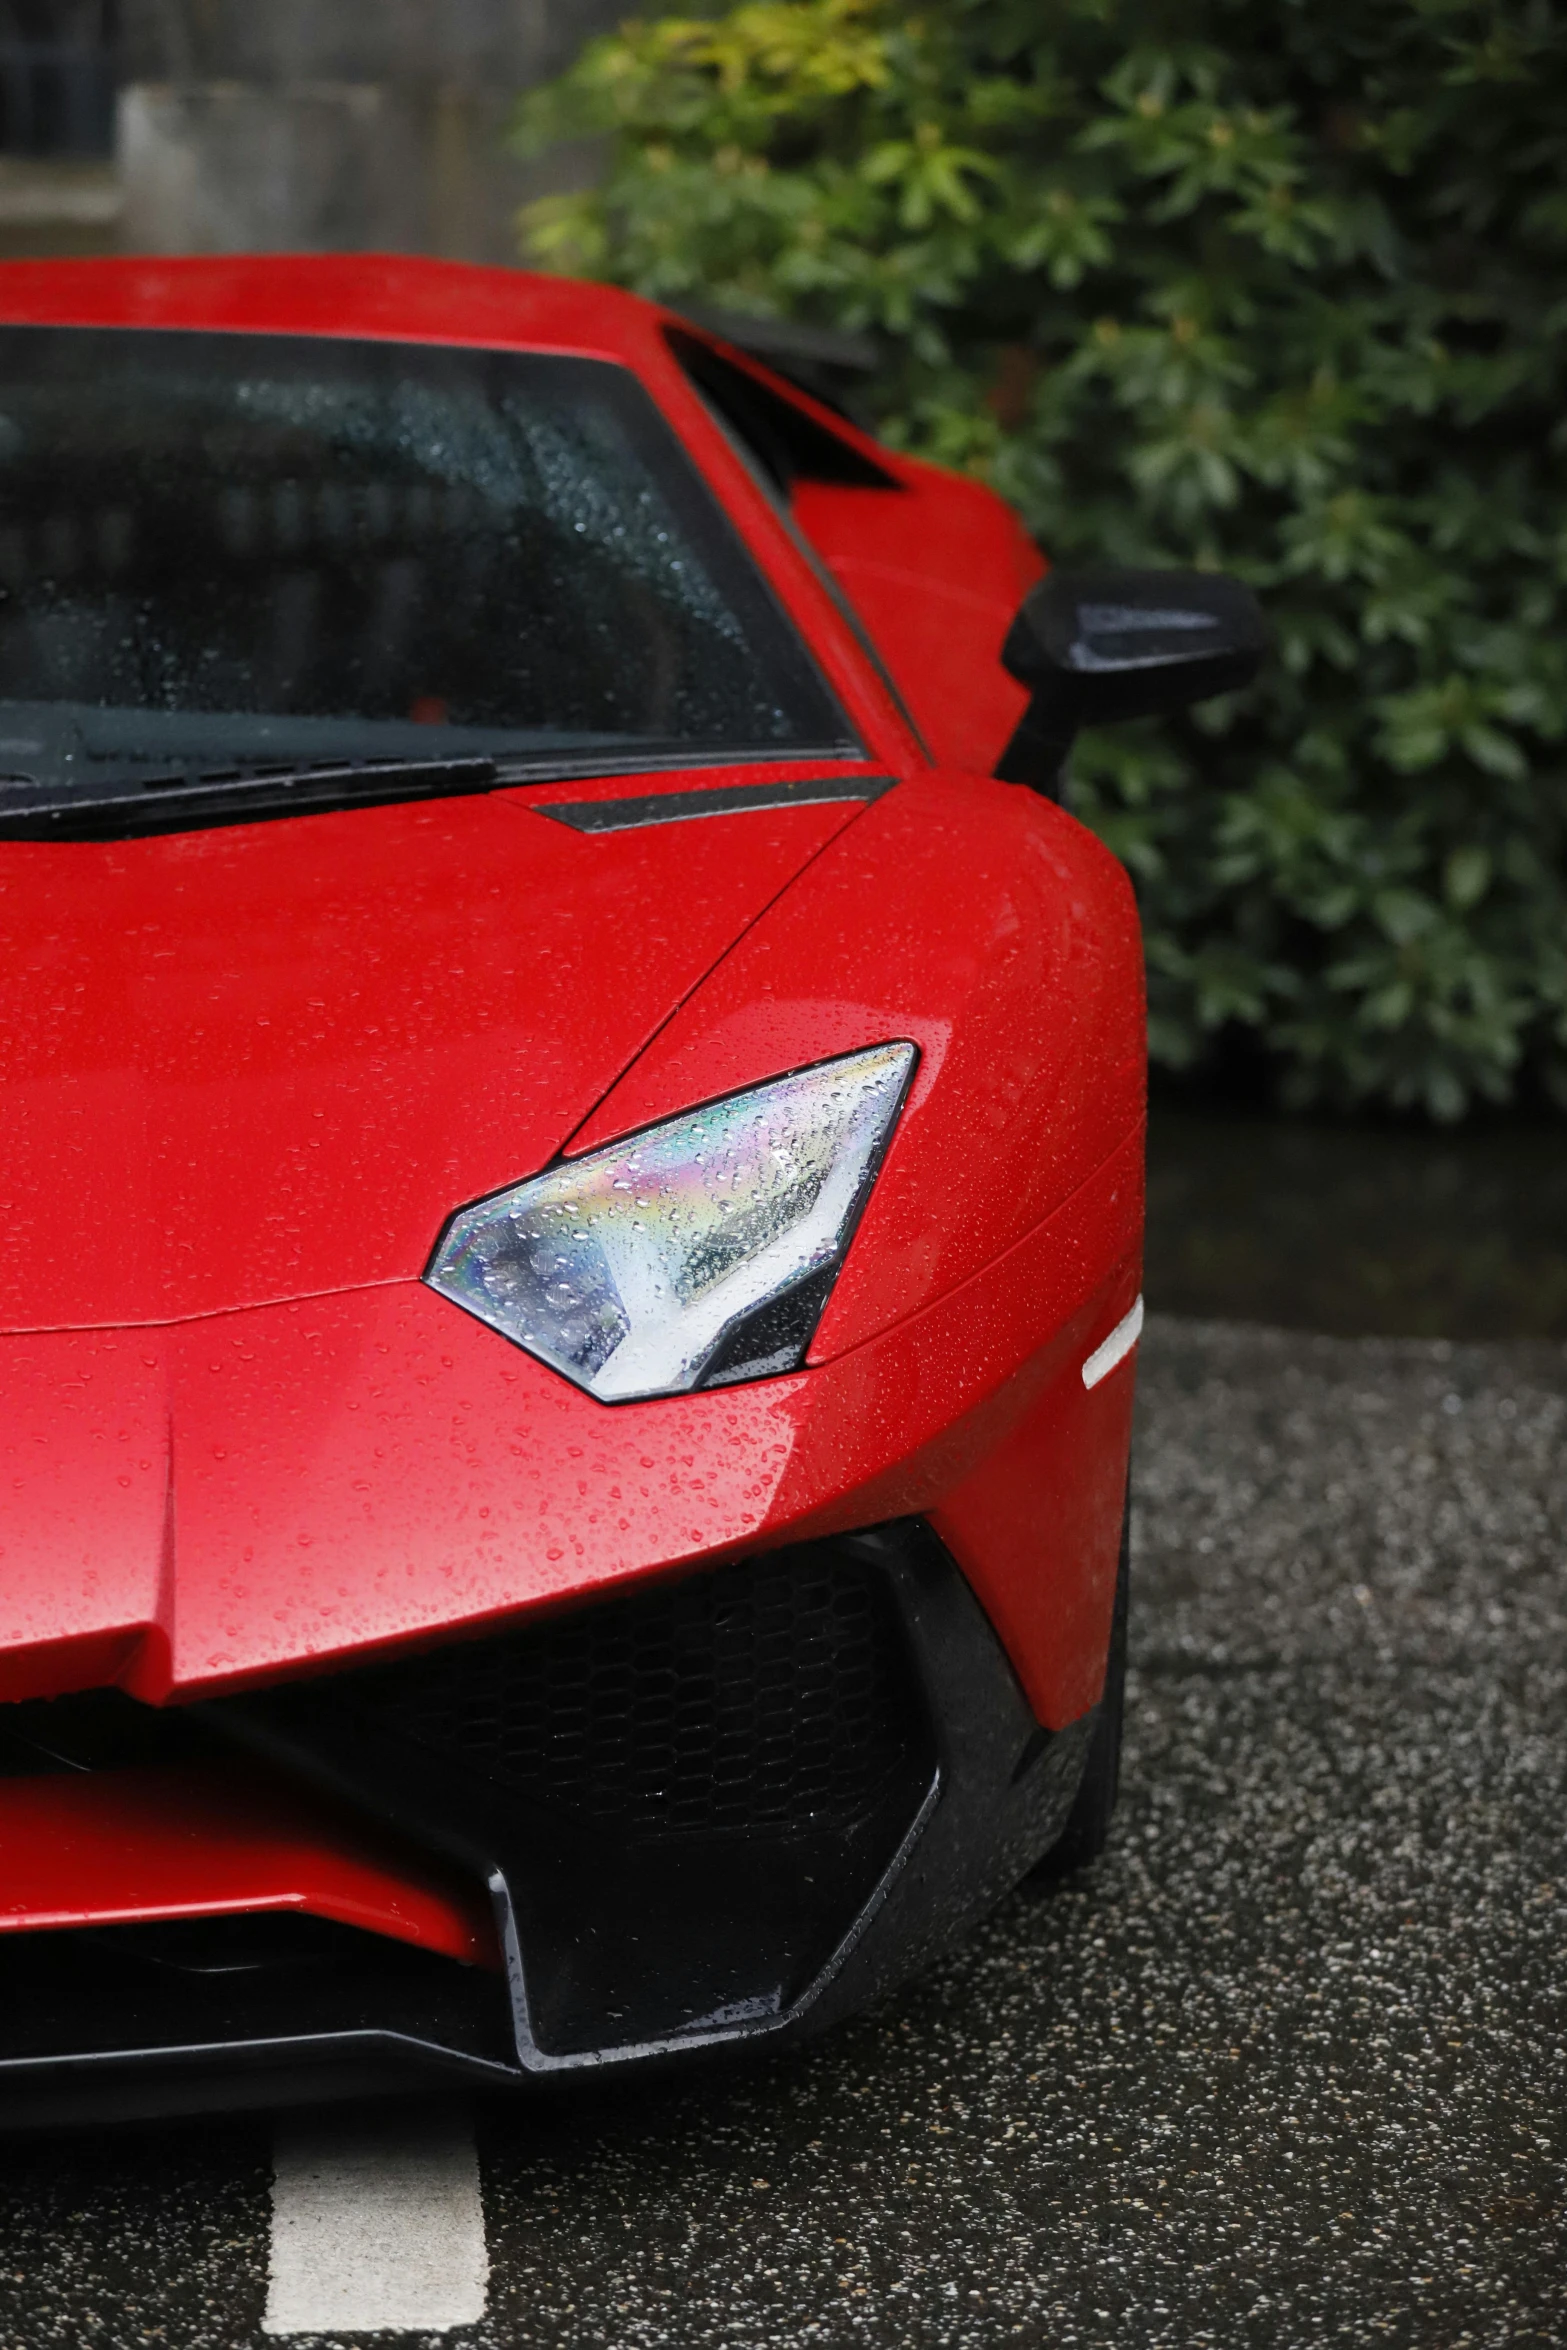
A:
(57, 77)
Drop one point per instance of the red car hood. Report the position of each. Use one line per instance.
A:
(266, 1062)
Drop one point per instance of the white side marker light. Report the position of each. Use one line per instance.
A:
(1116, 1347)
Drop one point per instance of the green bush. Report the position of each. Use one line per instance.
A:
(1273, 285)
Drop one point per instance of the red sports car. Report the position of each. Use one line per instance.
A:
(572, 1186)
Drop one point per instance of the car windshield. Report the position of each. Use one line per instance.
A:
(231, 553)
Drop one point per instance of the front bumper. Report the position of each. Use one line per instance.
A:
(717, 1811)
(280, 1532)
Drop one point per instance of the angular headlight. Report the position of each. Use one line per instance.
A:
(695, 1254)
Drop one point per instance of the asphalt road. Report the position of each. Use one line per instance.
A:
(1289, 2067)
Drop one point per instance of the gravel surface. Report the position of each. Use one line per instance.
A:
(1288, 2067)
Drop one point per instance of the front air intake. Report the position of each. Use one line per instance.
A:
(773, 1695)
(690, 1790)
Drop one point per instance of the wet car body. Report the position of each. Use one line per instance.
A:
(378, 1700)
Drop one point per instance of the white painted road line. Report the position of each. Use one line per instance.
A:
(377, 2223)
(1116, 1347)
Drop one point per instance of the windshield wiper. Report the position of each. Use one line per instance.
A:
(175, 804)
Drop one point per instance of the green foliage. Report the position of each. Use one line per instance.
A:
(1273, 285)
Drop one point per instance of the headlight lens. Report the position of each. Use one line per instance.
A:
(696, 1254)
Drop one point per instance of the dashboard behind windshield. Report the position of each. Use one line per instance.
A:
(227, 553)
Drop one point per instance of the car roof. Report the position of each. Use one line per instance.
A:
(379, 295)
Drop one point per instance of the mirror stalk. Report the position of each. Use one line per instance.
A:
(1094, 647)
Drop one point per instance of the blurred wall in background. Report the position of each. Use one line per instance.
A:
(231, 126)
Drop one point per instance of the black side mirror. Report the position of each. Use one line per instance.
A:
(1095, 646)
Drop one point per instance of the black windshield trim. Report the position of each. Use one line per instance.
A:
(558, 768)
(195, 807)
(633, 811)
(174, 807)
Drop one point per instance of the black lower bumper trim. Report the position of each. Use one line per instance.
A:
(232, 2076)
(132, 2020)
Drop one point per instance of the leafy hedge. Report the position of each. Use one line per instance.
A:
(1273, 285)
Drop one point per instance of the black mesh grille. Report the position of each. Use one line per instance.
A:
(770, 1693)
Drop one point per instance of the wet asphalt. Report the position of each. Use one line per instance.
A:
(1288, 2067)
